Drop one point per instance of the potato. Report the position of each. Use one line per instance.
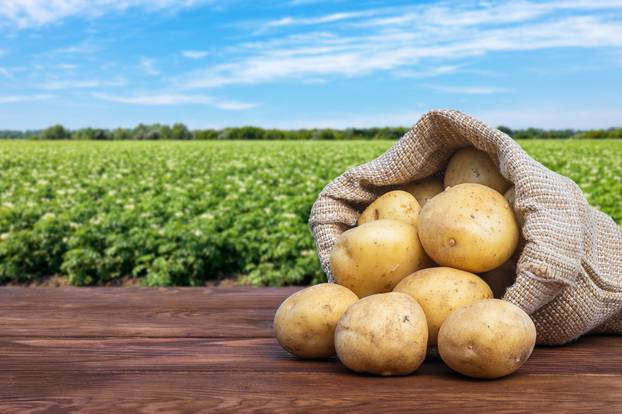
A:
(305, 322)
(394, 205)
(440, 291)
(383, 334)
(469, 227)
(425, 189)
(490, 338)
(470, 165)
(501, 278)
(375, 256)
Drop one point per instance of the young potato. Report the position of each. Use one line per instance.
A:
(490, 338)
(375, 256)
(305, 322)
(501, 278)
(440, 291)
(469, 227)
(425, 189)
(394, 205)
(383, 334)
(470, 165)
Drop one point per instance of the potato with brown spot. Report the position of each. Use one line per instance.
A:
(425, 189)
(384, 334)
(375, 256)
(469, 227)
(490, 338)
(470, 165)
(394, 205)
(440, 291)
(305, 322)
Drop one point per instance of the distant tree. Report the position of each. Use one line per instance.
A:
(162, 131)
(250, 132)
(121, 134)
(96, 134)
(275, 134)
(505, 130)
(205, 134)
(323, 134)
(180, 131)
(55, 132)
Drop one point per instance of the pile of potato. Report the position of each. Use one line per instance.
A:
(407, 283)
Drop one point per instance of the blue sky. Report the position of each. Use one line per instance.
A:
(309, 63)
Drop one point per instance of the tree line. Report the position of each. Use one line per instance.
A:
(179, 131)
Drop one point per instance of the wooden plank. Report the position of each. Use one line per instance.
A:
(95, 297)
(341, 390)
(139, 312)
(200, 350)
(590, 355)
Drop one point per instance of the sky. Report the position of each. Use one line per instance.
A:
(309, 63)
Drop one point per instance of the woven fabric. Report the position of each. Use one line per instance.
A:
(569, 274)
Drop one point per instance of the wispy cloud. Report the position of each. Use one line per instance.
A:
(428, 72)
(77, 49)
(411, 38)
(469, 90)
(161, 99)
(6, 99)
(80, 84)
(5, 73)
(148, 65)
(235, 106)
(194, 54)
(308, 21)
(28, 13)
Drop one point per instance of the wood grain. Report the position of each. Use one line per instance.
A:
(140, 312)
(109, 350)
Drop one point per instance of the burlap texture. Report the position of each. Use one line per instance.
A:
(569, 275)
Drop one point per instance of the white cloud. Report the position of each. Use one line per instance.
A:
(428, 72)
(161, 99)
(80, 84)
(5, 73)
(194, 54)
(468, 90)
(29, 13)
(6, 99)
(148, 65)
(235, 106)
(80, 49)
(440, 36)
(307, 21)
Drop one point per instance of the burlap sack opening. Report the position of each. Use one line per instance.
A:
(569, 275)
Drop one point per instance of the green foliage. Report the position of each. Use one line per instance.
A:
(179, 213)
(55, 132)
(180, 132)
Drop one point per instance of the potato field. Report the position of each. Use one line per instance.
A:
(182, 213)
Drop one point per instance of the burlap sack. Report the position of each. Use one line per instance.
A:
(569, 275)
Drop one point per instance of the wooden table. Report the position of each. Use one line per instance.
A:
(108, 350)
